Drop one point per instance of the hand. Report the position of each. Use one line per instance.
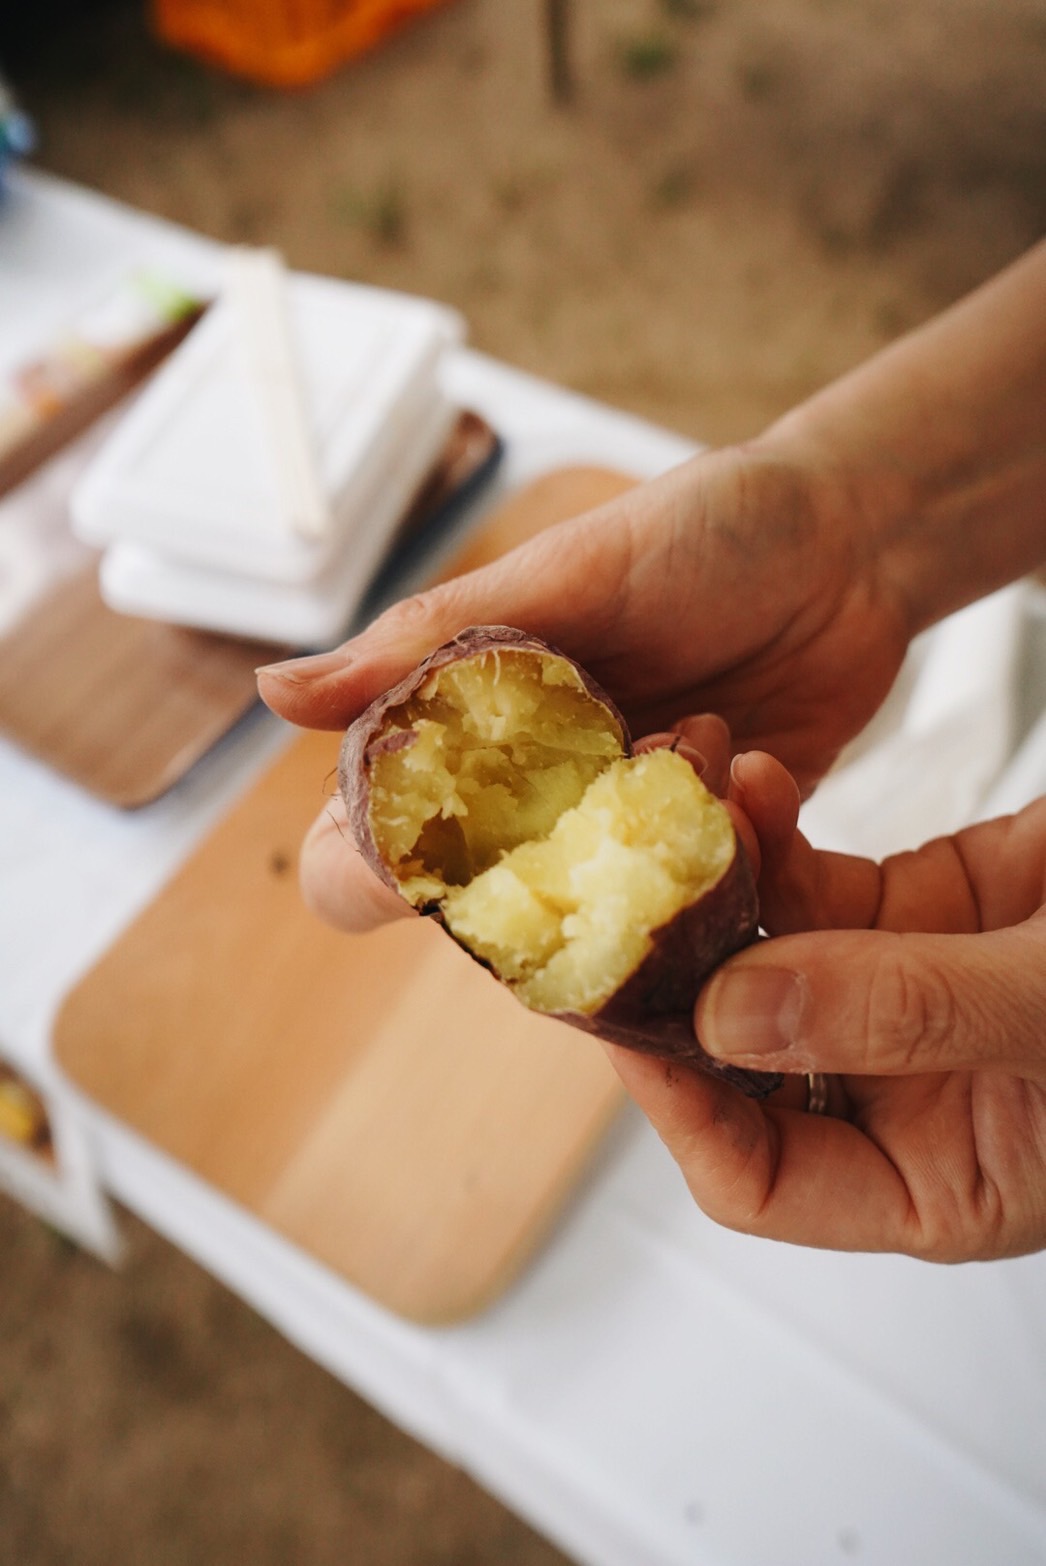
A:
(920, 985)
(741, 582)
(732, 583)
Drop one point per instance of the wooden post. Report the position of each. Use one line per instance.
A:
(557, 34)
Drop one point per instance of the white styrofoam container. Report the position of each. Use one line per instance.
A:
(189, 471)
(136, 579)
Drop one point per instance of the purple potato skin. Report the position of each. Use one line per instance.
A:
(365, 740)
(652, 1012)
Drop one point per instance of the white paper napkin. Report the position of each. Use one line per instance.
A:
(943, 742)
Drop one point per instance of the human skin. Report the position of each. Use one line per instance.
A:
(778, 585)
(920, 986)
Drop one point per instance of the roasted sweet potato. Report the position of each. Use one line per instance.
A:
(496, 789)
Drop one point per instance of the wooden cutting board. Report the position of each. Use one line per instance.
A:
(122, 706)
(379, 1100)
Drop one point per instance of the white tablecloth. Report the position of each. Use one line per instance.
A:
(655, 1391)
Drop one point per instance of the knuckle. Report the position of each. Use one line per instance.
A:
(411, 611)
(956, 1220)
(912, 1013)
(422, 621)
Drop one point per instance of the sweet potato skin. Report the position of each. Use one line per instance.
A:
(653, 1010)
(365, 740)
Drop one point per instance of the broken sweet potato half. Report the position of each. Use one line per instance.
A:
(496, 789)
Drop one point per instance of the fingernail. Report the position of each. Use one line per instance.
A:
(312, 667)
(697, 760)
(751, 1011)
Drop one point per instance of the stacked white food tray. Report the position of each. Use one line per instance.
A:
(256, 484)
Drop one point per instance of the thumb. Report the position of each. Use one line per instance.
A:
(564, 585)
(874, 1003)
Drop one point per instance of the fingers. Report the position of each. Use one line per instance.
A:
(708, 734)
(565, 586)
(888, 1000)
(800, 888)
(771, 1171)
(876, 1003)
(336, 884)
(704, 741)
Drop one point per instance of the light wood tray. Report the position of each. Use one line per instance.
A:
(379, 1100)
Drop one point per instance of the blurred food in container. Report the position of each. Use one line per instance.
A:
(23, 1118)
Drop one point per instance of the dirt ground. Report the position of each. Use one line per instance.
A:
(744, 198)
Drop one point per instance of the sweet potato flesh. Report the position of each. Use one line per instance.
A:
(501, 743)
(555, 858)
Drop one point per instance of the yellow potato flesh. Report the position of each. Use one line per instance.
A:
(555, 858)
(503, 743)
(566, 920)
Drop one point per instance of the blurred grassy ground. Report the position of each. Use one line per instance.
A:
(149, 1418)
(746, 197)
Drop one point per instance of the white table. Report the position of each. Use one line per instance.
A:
(654, 1391)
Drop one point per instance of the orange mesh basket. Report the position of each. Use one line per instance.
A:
(281, 43)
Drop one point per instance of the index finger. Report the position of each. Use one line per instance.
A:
(563, 585)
